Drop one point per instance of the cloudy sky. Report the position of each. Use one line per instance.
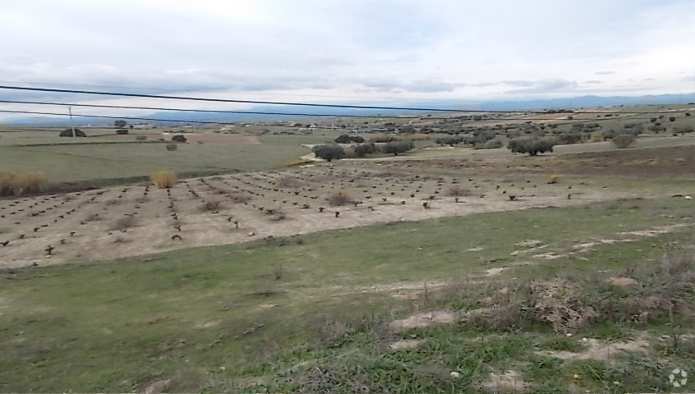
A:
(352, 50)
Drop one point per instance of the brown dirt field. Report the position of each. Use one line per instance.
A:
(647, 162)
(135, 220)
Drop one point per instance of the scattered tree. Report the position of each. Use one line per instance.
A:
(397, 147)
(532, 146)
(329, 152)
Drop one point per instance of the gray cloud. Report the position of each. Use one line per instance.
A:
(386, 49)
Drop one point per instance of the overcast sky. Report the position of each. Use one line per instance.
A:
(353, 50)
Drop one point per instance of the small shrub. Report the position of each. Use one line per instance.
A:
(339, 199)
(623, 141)
(363, 150)
(122, 131)
(141, 138)
(329, 152)
(532, 146)
(552, 179)
(163, 179)
(397, 147)
(172, 147)
(349, 139)
(179, 138)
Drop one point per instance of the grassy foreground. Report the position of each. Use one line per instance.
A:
(311, 313)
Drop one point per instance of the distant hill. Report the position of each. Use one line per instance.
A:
(521, 104)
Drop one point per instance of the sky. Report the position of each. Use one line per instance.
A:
(351, 51)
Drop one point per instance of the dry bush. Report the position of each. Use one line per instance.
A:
(663, 291)
(457, 191)
(339, 199)
(163, 179)
(124, 223)
(17, 184)
(172, 147)
(211, 206)
(561, 304)
(552, 179)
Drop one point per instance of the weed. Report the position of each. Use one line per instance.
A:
(163, 179)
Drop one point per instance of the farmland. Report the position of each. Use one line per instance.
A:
(441, 269)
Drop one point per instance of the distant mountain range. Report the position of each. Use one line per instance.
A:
(521, 104)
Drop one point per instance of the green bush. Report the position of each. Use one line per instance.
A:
(533, 146)
(397, 147)
(329, 152)
(349, 139)
(363, 150)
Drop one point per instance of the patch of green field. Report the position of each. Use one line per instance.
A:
(264, 314)
(62, 163)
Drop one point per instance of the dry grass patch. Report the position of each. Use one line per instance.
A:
(17, 184)
(163, 179)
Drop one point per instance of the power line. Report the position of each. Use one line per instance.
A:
(287, 103)
(238, 101)
(308, 104)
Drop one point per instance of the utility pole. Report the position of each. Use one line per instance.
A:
(72, 125)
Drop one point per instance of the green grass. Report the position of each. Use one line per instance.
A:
(219, 318)
(63, 163)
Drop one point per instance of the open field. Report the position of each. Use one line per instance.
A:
(122, 221)
(316, 312)
(444, 269)
(82, 162)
